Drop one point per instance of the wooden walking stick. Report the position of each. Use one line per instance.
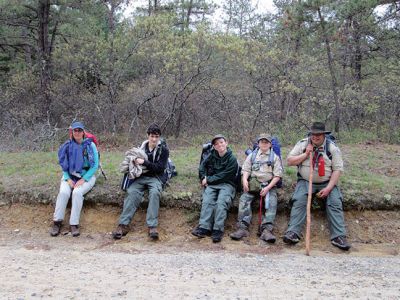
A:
(308, 224)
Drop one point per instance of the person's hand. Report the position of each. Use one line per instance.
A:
(324, 192)
(139, 161)
(79, 183)
(264, 191)
(204, 182)
(71, 183)
(309, 149)
(245, 184)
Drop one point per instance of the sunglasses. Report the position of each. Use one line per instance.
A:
(78, 130)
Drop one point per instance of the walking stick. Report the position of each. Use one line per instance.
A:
(260, 214)
(308, 226)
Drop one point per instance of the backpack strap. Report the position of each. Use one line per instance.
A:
(269, 162)
(328, 142)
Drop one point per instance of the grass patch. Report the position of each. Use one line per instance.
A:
(368, 168)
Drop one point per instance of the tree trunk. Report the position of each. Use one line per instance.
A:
(331, 71)
(44, 55)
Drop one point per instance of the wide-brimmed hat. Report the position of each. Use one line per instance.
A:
(317, 128)
(264, 136)
(217, 137)
(77, 125)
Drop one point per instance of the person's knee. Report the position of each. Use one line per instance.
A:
(77, 193)
(299, 201)
(64, 194)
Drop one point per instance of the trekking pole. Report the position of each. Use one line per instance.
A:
(308, 226)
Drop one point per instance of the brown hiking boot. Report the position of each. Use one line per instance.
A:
(153, 233)
(267, 236)
(56, 228)
(239, 234)
(75, 230)
(121, 231)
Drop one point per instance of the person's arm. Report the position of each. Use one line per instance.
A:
(202, 170)
(266, 189)
(246, 173)
(295, 160)
(88, 175)
(159, 166)
(245, 181)
(332, 183)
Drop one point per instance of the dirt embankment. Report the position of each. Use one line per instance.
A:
(180, 266)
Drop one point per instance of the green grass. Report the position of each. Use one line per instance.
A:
(371, 169)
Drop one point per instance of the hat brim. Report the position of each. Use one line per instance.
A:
(319, 132)
(263, 138)
(217, 138)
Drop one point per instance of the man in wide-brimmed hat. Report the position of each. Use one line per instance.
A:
(327, 167)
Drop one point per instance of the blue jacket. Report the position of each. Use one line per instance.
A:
(78, 160)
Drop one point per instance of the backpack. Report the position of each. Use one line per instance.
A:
(169, 172)
(275, 150)
(205, 154)
(94, 139)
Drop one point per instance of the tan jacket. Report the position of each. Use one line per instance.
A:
(265, 172)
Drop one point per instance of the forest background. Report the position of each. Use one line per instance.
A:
(198, 67)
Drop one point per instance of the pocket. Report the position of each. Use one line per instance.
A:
(254, 185)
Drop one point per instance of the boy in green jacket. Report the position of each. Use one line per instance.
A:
(217, 176)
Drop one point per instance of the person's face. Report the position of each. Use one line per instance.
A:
(220, 146)
(264, 145)
(78, 134)
(317, 138)
(153, 139)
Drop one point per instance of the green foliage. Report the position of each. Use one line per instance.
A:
(172, 65)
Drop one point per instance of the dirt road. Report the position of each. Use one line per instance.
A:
(34, 265)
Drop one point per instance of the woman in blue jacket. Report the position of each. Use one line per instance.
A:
(79, 160)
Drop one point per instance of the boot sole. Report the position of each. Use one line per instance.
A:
(289, 241)
(341, 247)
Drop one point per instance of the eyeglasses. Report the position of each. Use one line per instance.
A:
(78, 130)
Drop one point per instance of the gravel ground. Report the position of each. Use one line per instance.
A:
(35, 271)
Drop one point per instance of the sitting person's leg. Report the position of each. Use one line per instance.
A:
(155, 189)
(224, 201)
(131, 203)
(61, 205)
(244, 217)
(77, 203)
(208, 203)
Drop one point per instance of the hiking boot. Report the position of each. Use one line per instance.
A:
(291, 237)
(217, 236)
(201, 232)
(153, 233)
(239, 234)
(267, 236)
(75, 230)
(56, 228)
(341, 243)
(120, 231)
